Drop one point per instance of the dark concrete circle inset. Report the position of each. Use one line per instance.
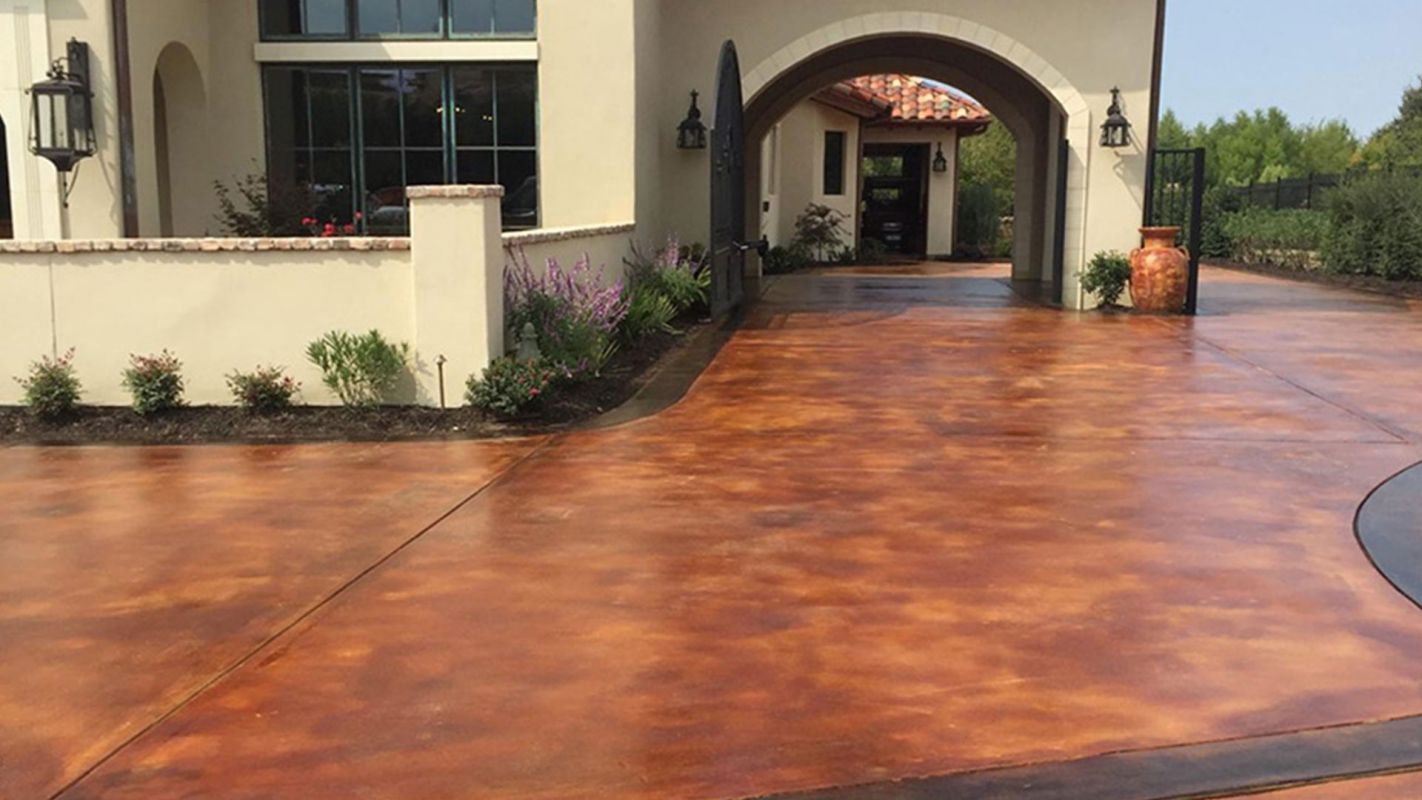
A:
(1389, 527)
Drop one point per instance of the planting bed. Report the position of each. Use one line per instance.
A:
(566, 406)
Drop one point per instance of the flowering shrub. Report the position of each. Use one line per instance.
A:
(156, 382)
(264, 389)
(51, 389)
(677, 272)
(360, 370)
(573, 313)
(508, 386)
(330, 228)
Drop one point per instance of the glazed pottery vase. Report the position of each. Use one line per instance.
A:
(1160, 272)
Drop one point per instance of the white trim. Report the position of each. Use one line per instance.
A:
(450, 50)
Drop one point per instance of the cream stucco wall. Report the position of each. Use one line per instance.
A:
(218, 312)
(942, 186)
(793, 176)
(224, 304)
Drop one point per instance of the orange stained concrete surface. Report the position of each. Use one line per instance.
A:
(901, 526)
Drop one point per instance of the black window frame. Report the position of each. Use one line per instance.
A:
(354, 34)
(449, 146)
(833, 177)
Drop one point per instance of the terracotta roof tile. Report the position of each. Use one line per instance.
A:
(912, 99)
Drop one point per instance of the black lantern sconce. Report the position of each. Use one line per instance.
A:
(63, 111)
(940, 161)
(691, 133)
(1116, 131)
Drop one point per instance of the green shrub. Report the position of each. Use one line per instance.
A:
(783, 260)
(1375, 227)
(51, 388)
(1219, 203)
(819, 232)
(872, 251)
(1290, 237)
(509, 387)
(649, 312)
(1107, 276)
(263, 390)
(156, 382)
(979, 220)
(360, 370)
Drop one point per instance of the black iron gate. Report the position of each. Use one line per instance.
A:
(1175, 196)
(728, 187)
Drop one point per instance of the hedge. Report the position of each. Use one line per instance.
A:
(1375, 227)
(1290, 238)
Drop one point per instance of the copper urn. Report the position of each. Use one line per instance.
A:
(1160, 272)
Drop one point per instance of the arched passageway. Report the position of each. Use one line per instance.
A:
(179, 205)
(1036, 118)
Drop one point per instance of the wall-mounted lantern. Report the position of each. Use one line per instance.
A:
(940, 161)
(691, 133)
(1116, 131)
(63, 108)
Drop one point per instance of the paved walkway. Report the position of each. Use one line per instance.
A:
(902, 526)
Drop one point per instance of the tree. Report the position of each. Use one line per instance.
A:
(990, 159)
(1399, 143)
(1326, 148)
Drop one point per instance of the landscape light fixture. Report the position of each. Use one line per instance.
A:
(1116, 131)
(691, 133)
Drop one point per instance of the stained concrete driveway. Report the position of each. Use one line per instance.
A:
(902, 526)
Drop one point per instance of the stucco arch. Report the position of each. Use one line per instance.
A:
(1030, 97)
(945, 26)
(180, 192)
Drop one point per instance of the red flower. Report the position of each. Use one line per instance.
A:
(348, 229)
(532, 392)
(359, 215)
(308, 221)
(329, 230)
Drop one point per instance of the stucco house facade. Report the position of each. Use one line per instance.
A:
(882, 152)
(571, 106)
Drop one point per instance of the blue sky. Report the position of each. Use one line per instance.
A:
(1315, 59)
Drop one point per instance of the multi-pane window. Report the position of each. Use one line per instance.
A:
(834, 162)
(379, 19)
(357, 136)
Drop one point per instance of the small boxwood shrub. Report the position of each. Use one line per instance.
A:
(155, 382)
(1375, 227)
(509, 387)
(1107, 276)
(263, 390)
(360, 369)
(51, 388)
(1289, 237)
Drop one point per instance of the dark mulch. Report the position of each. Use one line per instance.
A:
(567, 406)
(1366, 283)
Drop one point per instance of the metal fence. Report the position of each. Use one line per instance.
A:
(1304, 193)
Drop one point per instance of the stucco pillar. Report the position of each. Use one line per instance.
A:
(456, 243)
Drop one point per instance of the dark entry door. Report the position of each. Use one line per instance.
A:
(728, 182)
(895, 201)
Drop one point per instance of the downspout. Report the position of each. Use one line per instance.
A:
(123, 85)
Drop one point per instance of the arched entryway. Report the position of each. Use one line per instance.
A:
(7, 212)
(1009, 81)
(180, 202)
